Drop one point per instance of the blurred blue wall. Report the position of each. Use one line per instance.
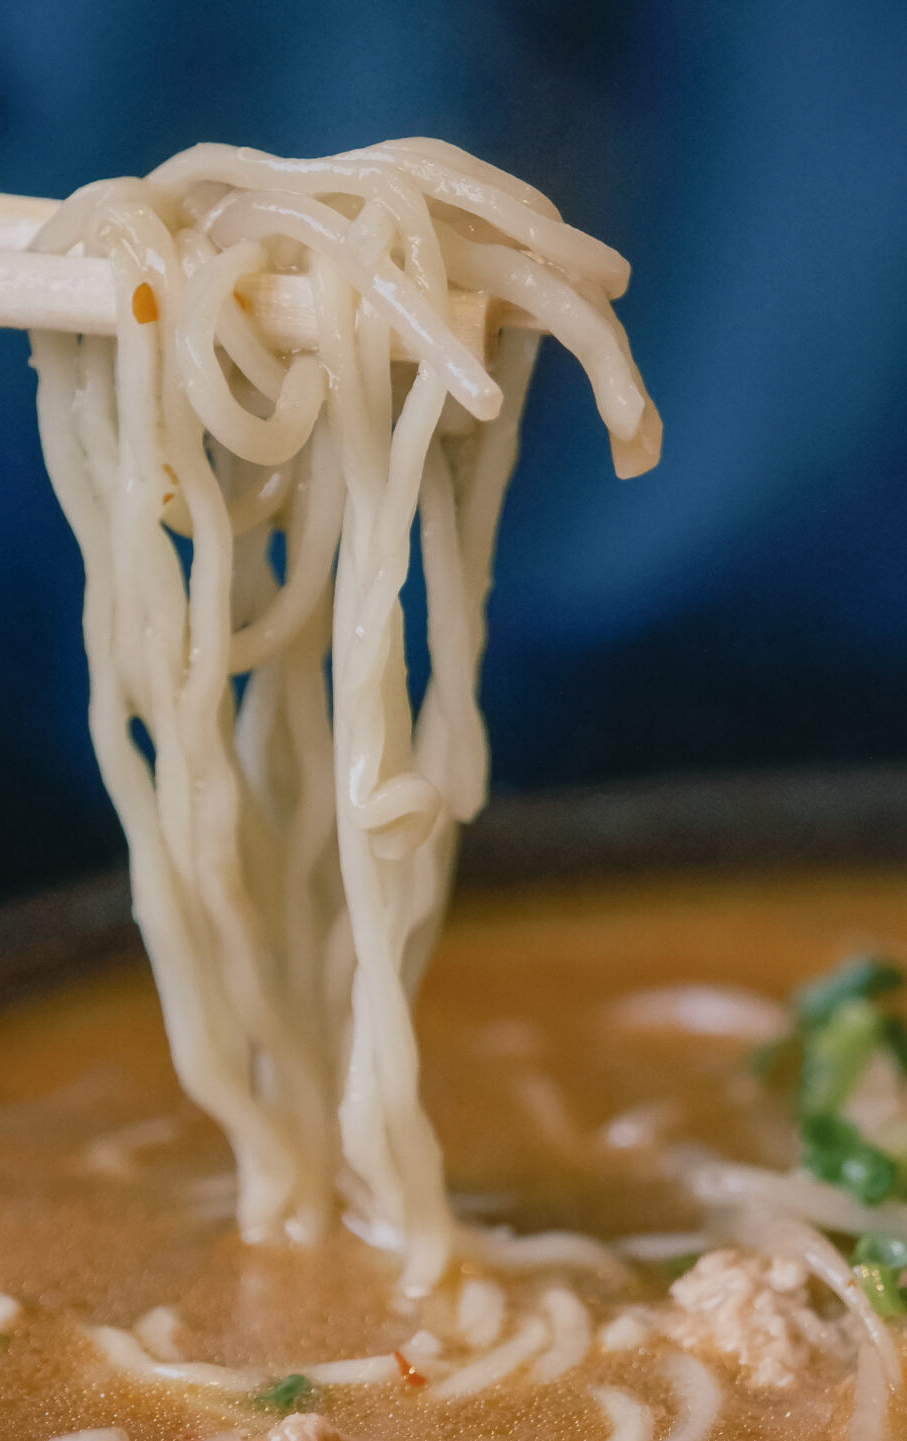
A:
(747, 603)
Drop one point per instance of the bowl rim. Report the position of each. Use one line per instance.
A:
(719, 822)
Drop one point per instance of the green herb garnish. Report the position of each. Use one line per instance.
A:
(285, 1394)
(835, 1151)
(895, 1035)
(859, 979)
(676, 1266)
(878, 1262)
(880, 1285)
(835, 1054)
(877, 1249)
(839, 1026)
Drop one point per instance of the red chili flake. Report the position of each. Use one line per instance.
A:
(168, 496)
(408, 1372)
(243, 301)
(144, 305)
(168, 470)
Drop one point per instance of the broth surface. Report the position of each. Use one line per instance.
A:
(115, 1193)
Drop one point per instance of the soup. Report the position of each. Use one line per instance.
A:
(559, 1102)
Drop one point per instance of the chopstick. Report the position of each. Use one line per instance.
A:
(76, 294)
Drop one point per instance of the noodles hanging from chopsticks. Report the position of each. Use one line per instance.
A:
(291, 842)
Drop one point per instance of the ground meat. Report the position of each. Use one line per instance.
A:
(304, 1426)
(757, 1311)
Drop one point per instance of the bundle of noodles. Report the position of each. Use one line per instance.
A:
(291, 837)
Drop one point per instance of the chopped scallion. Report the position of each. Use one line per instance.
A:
(858, 979)
(286, 1393)
(676, 1266)
(835, 1151)
(895, 1034)
(874, 1248)
(881, 1286)
(835, 1054)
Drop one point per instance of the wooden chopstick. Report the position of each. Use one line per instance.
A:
(76, 294)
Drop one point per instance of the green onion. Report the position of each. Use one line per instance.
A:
(858, 979)
(835, 1151)
(874, 1248)
(838, 1027)
(286, 1393)
(668, 1269)
(835, 1054)
(675, 1267)
(881, 1286)
(895, 1035)
(892, 1139)
(878, 1261)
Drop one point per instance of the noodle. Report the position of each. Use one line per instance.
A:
(631, 1420)
(870, 1401)
(113, 1154)
(491, 1368)
(156, 1332)
(627, 1332)
(571, 1334)
(123, 1351)
(506, 1252)
(480, 1312)
(291, 852)
(698, 1396)
(721, 1184)
(701, 1010)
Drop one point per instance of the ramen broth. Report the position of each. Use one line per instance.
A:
(116, 1193)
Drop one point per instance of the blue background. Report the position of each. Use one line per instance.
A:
(746, 604)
